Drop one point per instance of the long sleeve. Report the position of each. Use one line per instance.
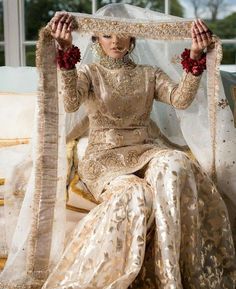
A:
(178, 95)
(75, 88)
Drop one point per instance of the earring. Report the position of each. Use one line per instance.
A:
(97, 50)
(131, 48)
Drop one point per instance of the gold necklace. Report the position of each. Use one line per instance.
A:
(116, 63)
(109, 62)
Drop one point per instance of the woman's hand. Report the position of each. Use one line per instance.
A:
(201, 38)
(61, 25)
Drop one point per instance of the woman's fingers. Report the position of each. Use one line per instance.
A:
(54, 24)
(69, 28)
(201, 37)
(198, 37)
(58, 21)
(66, 28)
(55, 20)
(69, 19)
(61, 29)
(207, 31)
(60, 25)
(194, 36)
(205, 35)
(203, 25)
(204, 32)
(200, 30)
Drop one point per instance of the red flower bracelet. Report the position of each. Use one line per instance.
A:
(196, 67)
(67, 59)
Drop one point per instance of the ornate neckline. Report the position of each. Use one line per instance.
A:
(116, 63)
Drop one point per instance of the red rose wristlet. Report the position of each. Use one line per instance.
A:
(67, 59)
(196, 67)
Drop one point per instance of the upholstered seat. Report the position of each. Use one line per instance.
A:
(18, 92)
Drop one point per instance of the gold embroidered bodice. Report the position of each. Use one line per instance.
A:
(118, 101)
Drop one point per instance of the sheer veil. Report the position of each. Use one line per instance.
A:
(206, 127)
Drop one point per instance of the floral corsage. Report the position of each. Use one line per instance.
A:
(196, 67)
(67, 59)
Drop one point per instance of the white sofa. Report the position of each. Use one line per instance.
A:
(18, 92)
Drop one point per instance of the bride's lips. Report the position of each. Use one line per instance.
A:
(116, 49)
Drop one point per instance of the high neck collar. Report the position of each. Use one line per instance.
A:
(116, 63)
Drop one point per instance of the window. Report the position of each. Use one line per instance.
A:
(2, 44)
(20, 40)
(38, 13)
(220, 16)
(229, 52)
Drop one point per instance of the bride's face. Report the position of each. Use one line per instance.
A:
(113, 45)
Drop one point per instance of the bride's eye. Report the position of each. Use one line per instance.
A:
(106, 36)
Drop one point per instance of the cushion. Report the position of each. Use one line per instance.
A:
(16, 116)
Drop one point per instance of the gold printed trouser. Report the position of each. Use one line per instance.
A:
(107, 247)
(191, 246)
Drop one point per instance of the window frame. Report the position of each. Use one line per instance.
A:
(14, 33)
(2, 42)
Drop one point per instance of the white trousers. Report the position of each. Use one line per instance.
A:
(191, 246)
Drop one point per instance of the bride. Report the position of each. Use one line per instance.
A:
(161, 222)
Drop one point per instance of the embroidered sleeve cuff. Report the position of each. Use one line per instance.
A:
(69, 89)
(184, 94)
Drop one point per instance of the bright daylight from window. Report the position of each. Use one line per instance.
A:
(220, 15)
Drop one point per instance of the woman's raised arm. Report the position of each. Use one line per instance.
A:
(75, 84)
(194, 62)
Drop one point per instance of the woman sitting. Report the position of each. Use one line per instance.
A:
(138, 180)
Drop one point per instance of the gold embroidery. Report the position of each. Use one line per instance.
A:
(132, 157)
(91, 170)
(156, 30)
(26, 284)
(112, 160)
(123, 84)
(223, 103)
(214, 57)
(125, 88)
(183, 95)
(75, 86)
(115, 63)
(179, 95)
(37, 262)
(175, 59)
(99, 120)
(119, 112)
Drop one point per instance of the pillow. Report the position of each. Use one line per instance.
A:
(16, 116)
(81, 147)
